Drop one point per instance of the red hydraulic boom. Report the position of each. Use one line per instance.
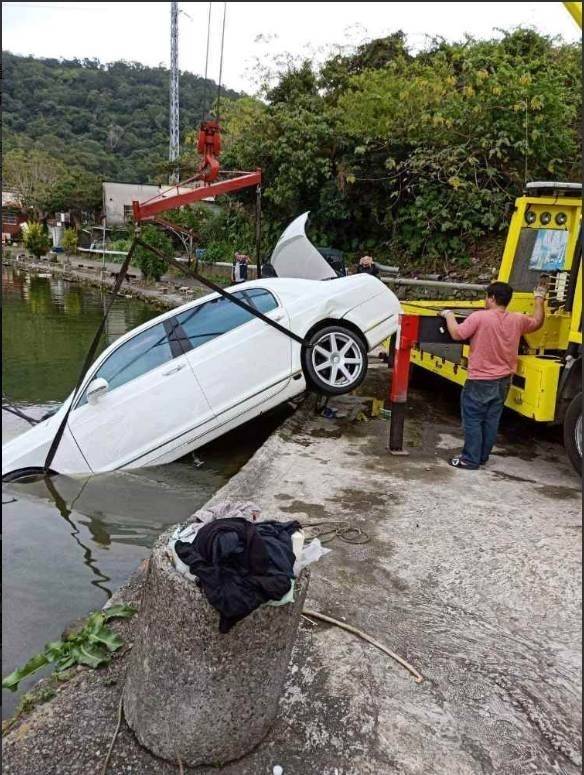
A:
(209, 146)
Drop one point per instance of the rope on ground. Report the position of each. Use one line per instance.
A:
(342, 529)
(115, 737)
(419, 678)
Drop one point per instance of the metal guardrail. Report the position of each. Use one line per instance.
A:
(434, 284)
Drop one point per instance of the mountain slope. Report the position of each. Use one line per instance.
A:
(111, 120)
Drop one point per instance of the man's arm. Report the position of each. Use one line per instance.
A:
(451, 324)
(460, 332)
(537, 319)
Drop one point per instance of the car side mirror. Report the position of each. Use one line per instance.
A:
(96, 389)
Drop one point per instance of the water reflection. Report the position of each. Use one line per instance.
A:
(47, 326)
(65, 512)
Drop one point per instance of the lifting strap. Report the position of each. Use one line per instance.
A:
(117, 285)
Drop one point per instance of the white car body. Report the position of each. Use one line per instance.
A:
(174, 406)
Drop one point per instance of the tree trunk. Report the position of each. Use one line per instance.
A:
(209, 698)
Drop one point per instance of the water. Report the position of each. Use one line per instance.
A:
(69, 543)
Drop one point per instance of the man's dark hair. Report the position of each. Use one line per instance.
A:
(501, 292)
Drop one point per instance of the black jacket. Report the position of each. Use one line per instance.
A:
(240, 564)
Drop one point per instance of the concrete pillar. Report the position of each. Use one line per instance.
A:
(189, 690)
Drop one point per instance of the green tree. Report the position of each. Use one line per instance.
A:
(36, 239)
(151, 265)
(69, 241)
(33, 175)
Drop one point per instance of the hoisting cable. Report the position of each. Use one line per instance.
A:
(89, 358)
(221, 61)
(212, 286)
(7, 406)
(206, 90)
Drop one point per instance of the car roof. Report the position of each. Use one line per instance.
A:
(285, 288)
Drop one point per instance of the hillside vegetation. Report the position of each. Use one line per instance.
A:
(414, 157)
(95, 121)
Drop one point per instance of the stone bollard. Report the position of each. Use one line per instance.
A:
(192, 692)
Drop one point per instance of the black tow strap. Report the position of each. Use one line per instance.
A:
(89, 358)
(117, 285)
(217, 288)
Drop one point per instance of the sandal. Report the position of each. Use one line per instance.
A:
(458, 462)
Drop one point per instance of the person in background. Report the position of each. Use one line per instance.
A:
(239, 273)
(367, 265)
(494, 335)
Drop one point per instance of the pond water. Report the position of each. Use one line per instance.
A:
(68, 544)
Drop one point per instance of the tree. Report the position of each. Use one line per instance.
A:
(151, 265)
(69, 241)
(33, 175)
(36, 239)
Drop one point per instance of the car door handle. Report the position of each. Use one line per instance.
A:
(173, 370)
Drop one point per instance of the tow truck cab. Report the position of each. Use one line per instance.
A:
(544, 237)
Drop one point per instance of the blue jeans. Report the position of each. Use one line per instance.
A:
(482, 405)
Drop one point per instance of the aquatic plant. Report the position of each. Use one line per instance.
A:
(91, 645)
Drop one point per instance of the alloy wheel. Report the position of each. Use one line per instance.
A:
(337, 359)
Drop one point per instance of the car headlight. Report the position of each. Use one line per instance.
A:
(530, 217)
(545, 218)
(561, 219)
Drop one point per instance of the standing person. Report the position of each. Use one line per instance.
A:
(494, 336)
(239, 274)
(367, 265)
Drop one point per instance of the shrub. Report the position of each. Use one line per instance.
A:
(69, 241)
(36, 240)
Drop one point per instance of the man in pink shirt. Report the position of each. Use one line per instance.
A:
(494, 336)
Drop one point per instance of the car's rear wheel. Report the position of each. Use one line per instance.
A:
(573, 432)
(335, 361)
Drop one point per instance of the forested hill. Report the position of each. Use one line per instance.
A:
(110, 120)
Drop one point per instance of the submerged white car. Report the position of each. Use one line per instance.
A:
(198, 371)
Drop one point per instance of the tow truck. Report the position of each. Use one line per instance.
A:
(544, 237)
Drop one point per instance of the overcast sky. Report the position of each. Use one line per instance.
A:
(255, 32)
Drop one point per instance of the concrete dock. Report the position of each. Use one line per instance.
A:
(473, 577)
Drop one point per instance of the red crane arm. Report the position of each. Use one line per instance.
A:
(164, 202)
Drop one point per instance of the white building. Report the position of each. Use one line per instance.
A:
(118, 198)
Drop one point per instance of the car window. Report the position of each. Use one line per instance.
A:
(141, 354)
(219, 316)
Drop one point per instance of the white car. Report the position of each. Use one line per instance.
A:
(198, 371)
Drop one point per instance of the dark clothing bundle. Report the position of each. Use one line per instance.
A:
(240, 564)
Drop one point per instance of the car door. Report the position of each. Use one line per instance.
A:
(152, 401)
(239, 360)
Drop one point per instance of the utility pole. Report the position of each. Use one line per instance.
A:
(174, 145)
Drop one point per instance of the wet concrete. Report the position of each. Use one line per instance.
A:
(474, 577)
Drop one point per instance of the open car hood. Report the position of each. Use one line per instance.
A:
(296, 256)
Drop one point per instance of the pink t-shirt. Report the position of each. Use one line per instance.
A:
(494, 341)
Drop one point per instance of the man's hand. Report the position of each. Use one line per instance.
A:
(451, 324)
(542, 288)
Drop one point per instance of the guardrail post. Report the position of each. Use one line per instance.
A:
(407, 337)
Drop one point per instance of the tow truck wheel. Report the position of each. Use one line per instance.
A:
(573, 432)
(336, 361)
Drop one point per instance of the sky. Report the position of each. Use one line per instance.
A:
(256, 34)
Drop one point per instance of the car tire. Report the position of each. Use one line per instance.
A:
(573, 432)
(335, 362)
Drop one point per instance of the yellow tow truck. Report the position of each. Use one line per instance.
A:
(544, 237)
